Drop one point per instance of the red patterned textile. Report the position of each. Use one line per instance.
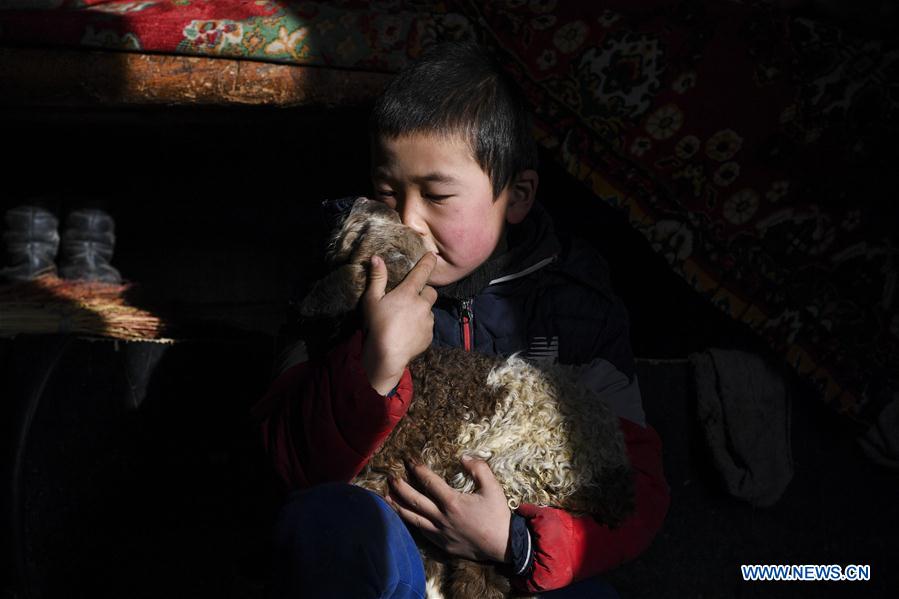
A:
(339, 34)
(751, 148)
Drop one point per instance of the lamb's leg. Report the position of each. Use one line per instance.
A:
(435, 577)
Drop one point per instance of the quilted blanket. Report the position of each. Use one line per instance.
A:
(750, 146)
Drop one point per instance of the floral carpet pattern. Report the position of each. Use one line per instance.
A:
(751, 147)
(752, 151)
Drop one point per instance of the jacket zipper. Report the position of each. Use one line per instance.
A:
(465, 320)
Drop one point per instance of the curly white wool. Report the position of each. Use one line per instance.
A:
(535, 442)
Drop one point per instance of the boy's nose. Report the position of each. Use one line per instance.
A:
(410, 214)
(412, 218)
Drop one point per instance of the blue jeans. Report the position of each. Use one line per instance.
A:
(339, 540)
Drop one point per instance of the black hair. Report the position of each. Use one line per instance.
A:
(455, 88)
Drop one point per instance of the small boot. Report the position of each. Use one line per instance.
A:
(32, 241)
(87, 245)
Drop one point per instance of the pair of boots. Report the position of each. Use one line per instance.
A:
(32, 242)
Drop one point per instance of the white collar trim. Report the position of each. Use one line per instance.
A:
(524, 272)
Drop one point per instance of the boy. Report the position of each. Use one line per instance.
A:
(452, 152)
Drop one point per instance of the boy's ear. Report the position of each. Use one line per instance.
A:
(522, 194)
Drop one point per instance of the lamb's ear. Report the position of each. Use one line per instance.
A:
(364, 213)
(338, 293)
(344, 239)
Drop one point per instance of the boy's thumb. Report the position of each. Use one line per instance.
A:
(377, 278)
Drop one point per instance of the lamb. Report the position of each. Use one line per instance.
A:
(548, 440)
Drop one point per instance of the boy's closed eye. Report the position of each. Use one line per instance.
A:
(385, 195)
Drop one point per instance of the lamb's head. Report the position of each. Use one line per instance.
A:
(372, 228)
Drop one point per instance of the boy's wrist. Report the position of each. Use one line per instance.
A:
(386, 386)
(383, 384)
(382, 380)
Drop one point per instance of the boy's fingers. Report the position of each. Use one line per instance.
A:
(434, 495)
(418, 276)
(377, 279)
(412, 517)
(483, 475)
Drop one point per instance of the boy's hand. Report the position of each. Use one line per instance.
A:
(470, 525)
(399, 325)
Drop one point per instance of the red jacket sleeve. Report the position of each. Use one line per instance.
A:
(321, 420)
(569, 548)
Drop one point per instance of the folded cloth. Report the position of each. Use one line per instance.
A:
(744, 409)
(881, 441)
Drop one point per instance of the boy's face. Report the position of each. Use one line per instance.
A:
(442, 193)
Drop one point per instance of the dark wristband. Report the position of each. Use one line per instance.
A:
(393, 391)
(520, 544)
